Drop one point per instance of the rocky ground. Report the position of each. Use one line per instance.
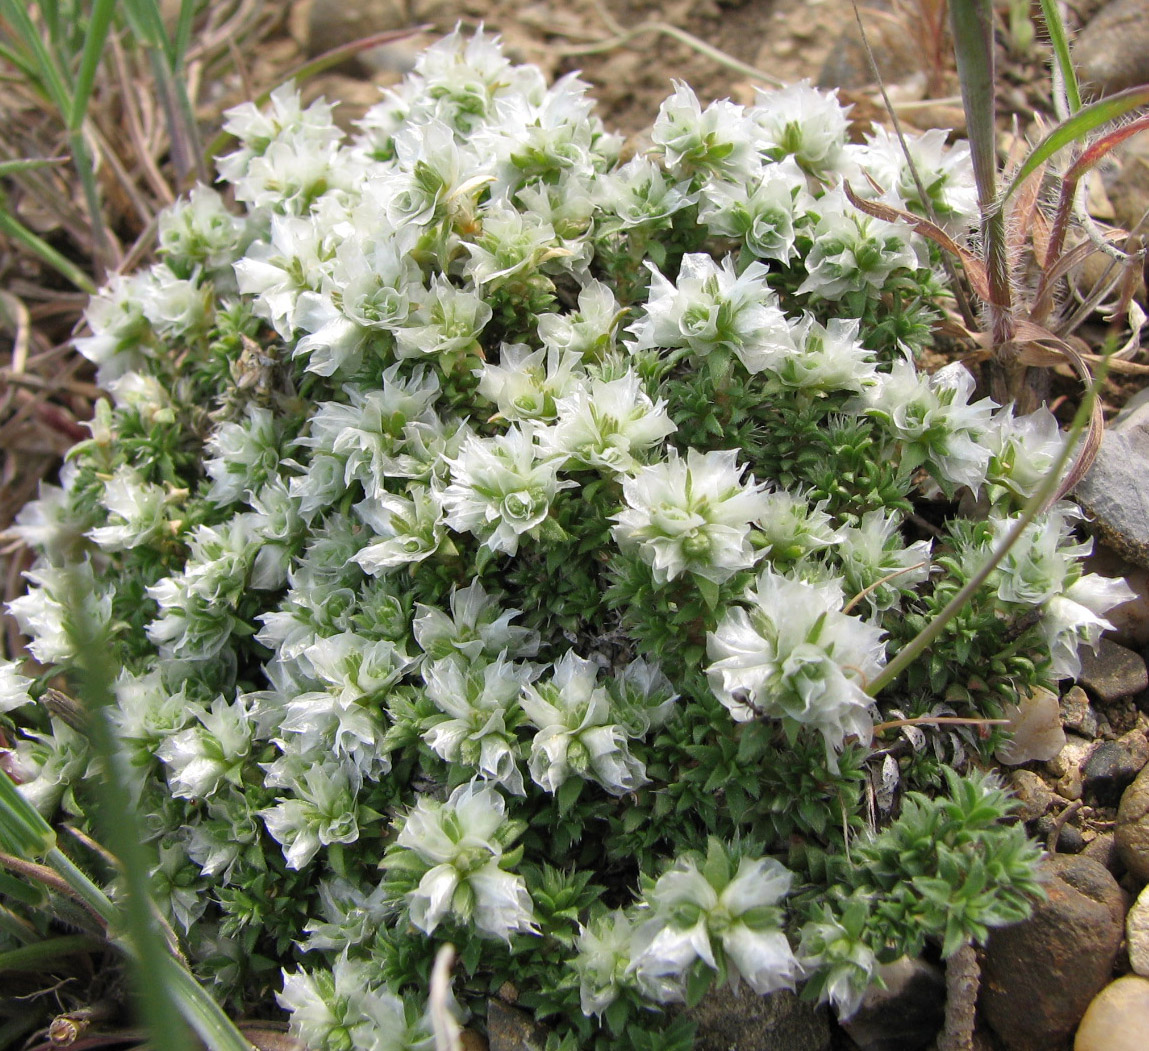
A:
(1084, 781)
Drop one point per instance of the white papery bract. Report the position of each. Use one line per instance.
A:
(13, 687)
(136, 509)
(320, 811)
(709, 308)
(603, 960)
(946, 174)
(691, 515)
(853, 251)
(52, 609)
(459, 841)
(526, 383)
(604, 423)
(802, 122)
(876, 565)
(577, 733)
(1077, 616)
(701, 913)
(933, 417)
(480, 714)
(501, 488)
(349, 1008)
(200, 759)
(764, 213)
(692, 140)
(791, 654)
(199, 231)
(1023, 449)
(478, 625)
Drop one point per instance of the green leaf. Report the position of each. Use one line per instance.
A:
(568, 794)
(1056, 29)
(972, 25)
(698, 980)
(1076, 129)
(94, 38)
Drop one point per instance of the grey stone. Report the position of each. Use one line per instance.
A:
(1112, 52)
(1113, 671)
(905, 1016)
(1039, 976)
(1077, 713)
(1137, 934)
(745, 1021)
(1118, 1018)
(1115, 492)
(1132, 831)
(1111, 767)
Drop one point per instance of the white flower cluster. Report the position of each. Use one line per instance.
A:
(446, 491)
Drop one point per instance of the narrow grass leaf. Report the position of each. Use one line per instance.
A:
(25, 164)
(182, 36)
(35, 244)
(46, 70)
(1055, 25)
(1075, 129)
(94, 38)
(972, 26)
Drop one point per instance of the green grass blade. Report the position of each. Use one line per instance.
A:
(1075, 129)
(147, 23)
(94, 38)
(972, 25)
(1056, 28)
(120, 828)
(47, 71)
(43, 954)
(182, 36)
(202, 1013)
(17, 231)
(26, 66)
(25, 164)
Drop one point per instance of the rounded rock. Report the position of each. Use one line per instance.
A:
(1039, 976)
(1112, 51)
(1112, 672)
(1118, 1017)
(1132, 831)
(1137, 934)
(904, 1016)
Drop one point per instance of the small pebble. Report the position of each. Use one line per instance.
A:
(1031, 792)
(1077, 713)
(1112, 766)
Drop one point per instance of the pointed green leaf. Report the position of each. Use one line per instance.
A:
(1076, 129)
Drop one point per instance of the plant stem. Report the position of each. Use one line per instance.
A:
(1034, 506)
